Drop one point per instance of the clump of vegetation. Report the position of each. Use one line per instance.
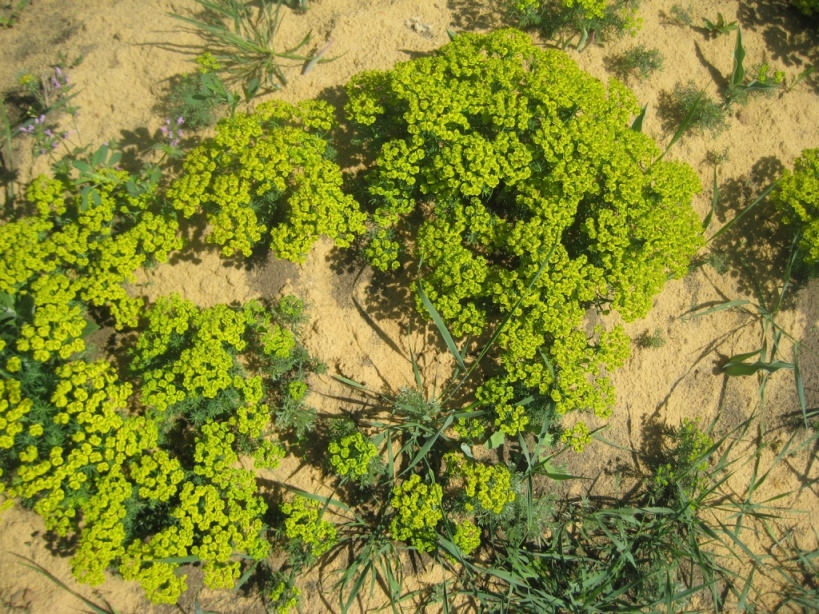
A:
(92, 228)
(243, 41)
(10, 12)
(808, 7)
(269, 171)
(354, 457)
(655, 339)
(198, 96)
(638, 61)
(687, 102)
(531, 170)
(593, 20)
(797, 197)
(680, 16)
(740, 88)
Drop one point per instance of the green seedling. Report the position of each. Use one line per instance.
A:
(720, 26)
(738, 88)
(807, 72)
(638, 61)
(11, 12)
(654, 339)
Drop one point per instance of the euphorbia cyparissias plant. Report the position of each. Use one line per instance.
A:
(508, 153)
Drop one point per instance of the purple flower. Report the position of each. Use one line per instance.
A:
(180, 120)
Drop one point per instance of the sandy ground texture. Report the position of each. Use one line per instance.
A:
(131, 48)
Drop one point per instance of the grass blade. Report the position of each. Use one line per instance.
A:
(428, 445)
(325, 500)
(684, 125)
(800, 387)
(714, 200)
(720, 307)
(42, 570)
(739, 57)
(637, 124)
(353, 384)
(744, 368)
(439, 322)
(758, 199)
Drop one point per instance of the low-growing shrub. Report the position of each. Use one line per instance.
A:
(598, 19)
(686, 101)
(529, 182)
(75, 240)
(269, 172)
(150, 482)
(638, 61)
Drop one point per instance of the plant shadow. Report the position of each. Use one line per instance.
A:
(789, 35)
(757, 247)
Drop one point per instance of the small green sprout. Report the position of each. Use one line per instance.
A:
(720, 27)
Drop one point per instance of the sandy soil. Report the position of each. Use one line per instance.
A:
(131, 48)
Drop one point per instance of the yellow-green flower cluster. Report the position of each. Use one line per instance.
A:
(578, 437)
(417, 513)
(205, 366)
(808, 7)
(79, 249)
(103, 536)
(275, 340)
(157, 475)
(96, 245)
(487, 487)
(797, 197)
(264, 165)
(13, 408)
(297, 389)
(284, 597)
(509, 418)
(382, 251)
(218, 515)
(592, 8)
(467, 536)
(351, 455)
(86, 401)
(304, 525)
(207, 62)
(512, 154)
(268, 455)
(106, 466)
(471, 429)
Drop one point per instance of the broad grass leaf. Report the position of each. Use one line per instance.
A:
(439, 323)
